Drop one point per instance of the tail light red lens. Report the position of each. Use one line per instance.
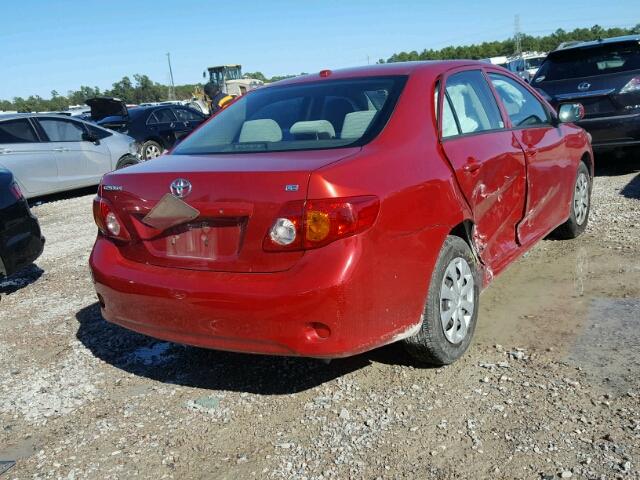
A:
(15, 191)
(108, 221)
(315, 223)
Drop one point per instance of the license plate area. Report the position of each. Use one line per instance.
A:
(214, 239)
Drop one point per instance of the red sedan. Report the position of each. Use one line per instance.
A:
(330, 214)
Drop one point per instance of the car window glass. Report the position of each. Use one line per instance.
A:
(17, 131)
(99, 133)
(305, 116)
(165, 116)
(185, 115)
(152, 120)
(523, 107)
(449, 125)
(473, 102)
(587, 62)
(62, 130)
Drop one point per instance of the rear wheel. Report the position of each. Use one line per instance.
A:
(151, 149)
(580, 206)
(451, 310)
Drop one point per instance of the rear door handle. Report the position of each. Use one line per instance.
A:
(532, 152)
(472, 165)
(61, 149)
(5, 150)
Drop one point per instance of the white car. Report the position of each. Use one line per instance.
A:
(50, 153)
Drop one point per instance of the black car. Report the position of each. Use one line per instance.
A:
(20, 239)
(156, 128)
(604, 76)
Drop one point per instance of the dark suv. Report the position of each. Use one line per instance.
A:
(604, 76)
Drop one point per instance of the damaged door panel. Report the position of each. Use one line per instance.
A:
(488, 162)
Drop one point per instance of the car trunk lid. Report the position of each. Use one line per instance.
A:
(103, 107)
(232, 203)
(599, 94)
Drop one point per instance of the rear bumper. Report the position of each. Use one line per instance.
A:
(323, 307)
(22, 246)
(612, 132)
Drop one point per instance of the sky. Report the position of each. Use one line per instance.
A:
(59, 45)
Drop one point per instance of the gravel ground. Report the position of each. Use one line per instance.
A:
(549, 389)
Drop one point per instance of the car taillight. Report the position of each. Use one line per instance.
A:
(304, 225)
(15, 191)
(107, 220)
(633, 86)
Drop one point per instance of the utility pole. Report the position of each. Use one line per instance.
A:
(516, 25)
(172, 88)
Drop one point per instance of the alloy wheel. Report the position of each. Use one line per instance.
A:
(151, 151)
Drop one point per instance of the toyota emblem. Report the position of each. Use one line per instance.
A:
(180, 188)
(584, 86)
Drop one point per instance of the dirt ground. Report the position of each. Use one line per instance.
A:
(550, 388)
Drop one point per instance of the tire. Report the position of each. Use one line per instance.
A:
(151, 149)
(127, 161)
(580, 207)
(437, 343)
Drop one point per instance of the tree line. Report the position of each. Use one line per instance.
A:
(508, 47)
(142, 89)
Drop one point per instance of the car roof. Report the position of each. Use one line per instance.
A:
(596, 43)
(386, 69)
(10, 116)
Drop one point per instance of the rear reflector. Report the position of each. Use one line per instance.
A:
(305, 225)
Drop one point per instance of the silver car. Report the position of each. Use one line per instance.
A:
(50, 153)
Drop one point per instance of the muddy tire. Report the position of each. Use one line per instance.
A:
(451, 310)
(151, 149)
(580, 207)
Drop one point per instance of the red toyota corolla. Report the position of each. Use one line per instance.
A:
(330, 214)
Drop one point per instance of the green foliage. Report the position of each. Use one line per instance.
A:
(507, 47)
(141, 90)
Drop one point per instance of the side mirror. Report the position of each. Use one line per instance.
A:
(570, 112)
(520, 68)
(88, 137)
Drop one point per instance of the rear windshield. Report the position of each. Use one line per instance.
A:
(588, 62)
(311, 116)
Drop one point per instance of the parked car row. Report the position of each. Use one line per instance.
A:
(156, 128)
(49, 153)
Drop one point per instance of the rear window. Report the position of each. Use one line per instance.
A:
(319, 115)
(17, 131)
(588, 62)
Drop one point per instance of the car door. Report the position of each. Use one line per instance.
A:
(550, 172)
(32, 161)
(488, 163)
(163, 123)
(72, 152)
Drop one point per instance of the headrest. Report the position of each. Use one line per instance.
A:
(356, 123)
(320, 129)
(264, 130)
